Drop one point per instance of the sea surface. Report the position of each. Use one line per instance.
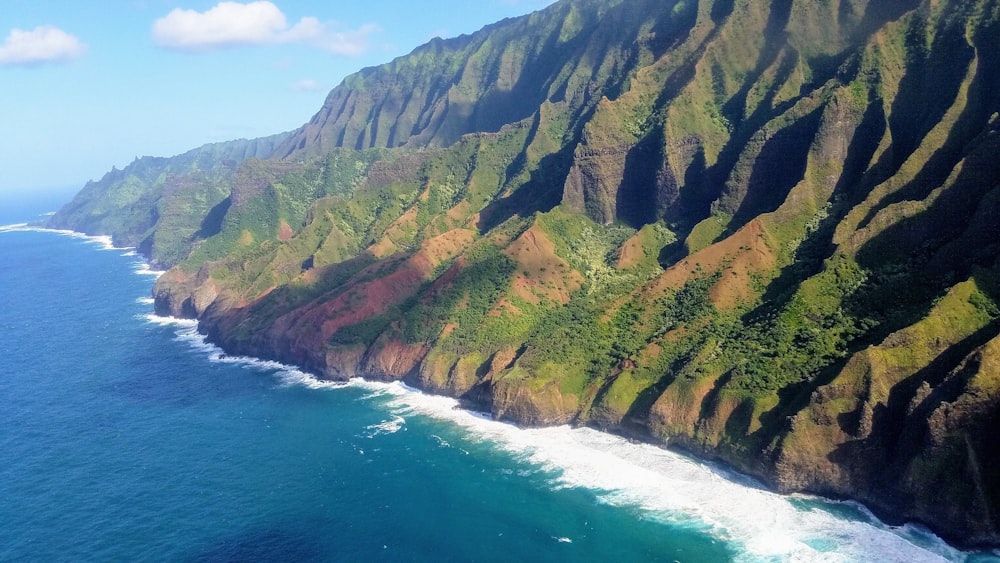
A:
(125, 437)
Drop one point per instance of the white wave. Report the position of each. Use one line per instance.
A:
(671, 487)
(662, 484)
(143, 269)
(391, 426)
(103, 240)
(145, 300)
(287, 375)
(169, 321)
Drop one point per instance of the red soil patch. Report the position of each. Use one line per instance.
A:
(265, 293)
(632, 252)
(368, 299)
(285, 231)
(383, 248)
(541, 273)
(371, 298)
(460, 212)
(442, 248)
(738, 256)
(397, 231)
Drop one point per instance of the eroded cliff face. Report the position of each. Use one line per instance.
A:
(161, 205)
(766, 232)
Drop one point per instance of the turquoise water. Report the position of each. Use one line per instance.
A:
(124, 436)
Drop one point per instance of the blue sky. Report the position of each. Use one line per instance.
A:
(88, 85)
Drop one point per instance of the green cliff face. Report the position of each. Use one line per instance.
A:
(163, 205)
(766, 232)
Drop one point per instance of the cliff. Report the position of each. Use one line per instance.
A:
(162, 205)
(764, 232)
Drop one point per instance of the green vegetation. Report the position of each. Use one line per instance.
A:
(764, 231)
(162, 205)
(466, 301)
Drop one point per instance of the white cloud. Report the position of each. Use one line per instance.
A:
(231, 24)
(43, 44)
(350, 42)
(307, 85)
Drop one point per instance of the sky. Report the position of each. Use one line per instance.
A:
(85, 86)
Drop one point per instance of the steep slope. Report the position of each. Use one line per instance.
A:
(765, 232)
(571, 53)
(161, 205)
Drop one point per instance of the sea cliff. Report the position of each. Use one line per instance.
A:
(764, 232)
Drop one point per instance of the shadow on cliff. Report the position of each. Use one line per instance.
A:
(916, 260)
(912, 264)
(913, 465)
(542, 192)
(927, 91)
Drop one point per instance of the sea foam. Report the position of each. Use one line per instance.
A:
(661, 484)
(187, 332)
(103, 241)
(391, 426)
(670, 487)
(140, 267)
(143, 269)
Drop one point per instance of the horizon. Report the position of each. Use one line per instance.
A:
(90, 88)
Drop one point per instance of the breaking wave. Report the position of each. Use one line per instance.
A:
(663, 485)
(187, 332)
(104, 241)
(660, 484)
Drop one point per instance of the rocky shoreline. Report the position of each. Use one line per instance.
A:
(406, 364)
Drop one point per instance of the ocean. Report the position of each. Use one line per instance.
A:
(125, 436)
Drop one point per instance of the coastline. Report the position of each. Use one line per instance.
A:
(215, 334)
(292, 375)
(638, 461)
(214, 330)
(201, 339)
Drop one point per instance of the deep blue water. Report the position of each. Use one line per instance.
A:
(126, 437)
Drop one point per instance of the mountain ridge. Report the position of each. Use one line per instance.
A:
(159, 204)
(733, 227)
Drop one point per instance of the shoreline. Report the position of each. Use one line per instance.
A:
(295, 375)
(725, 475)
(882, 514)
(883, 522)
